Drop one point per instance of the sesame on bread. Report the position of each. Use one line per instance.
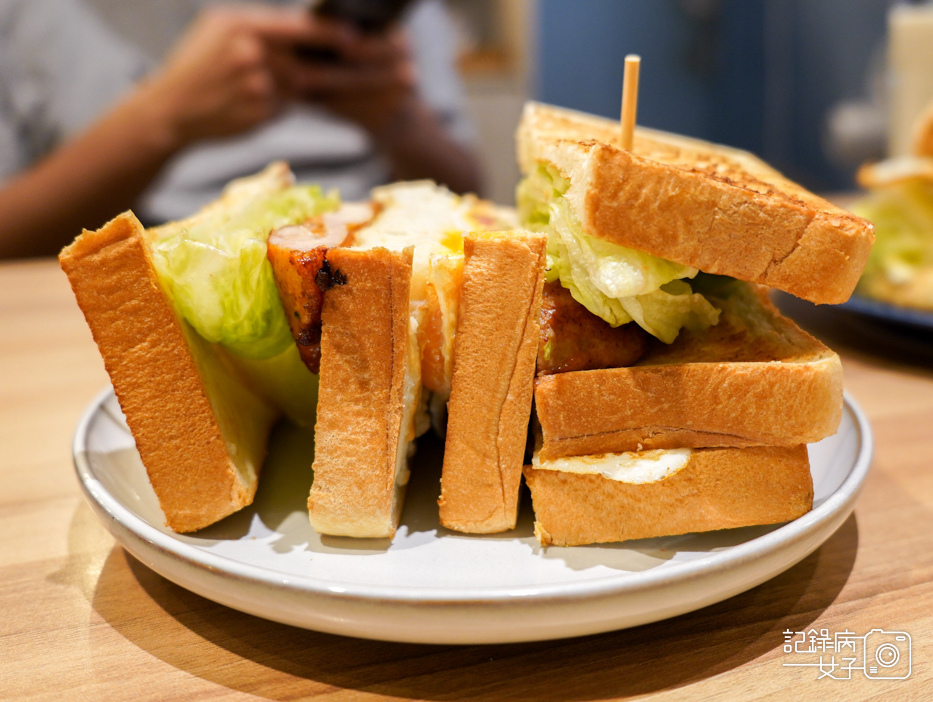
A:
(494, 355)
(703, 205)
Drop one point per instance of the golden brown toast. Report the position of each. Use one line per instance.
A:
(703, 205)
(493, 375)
(754, 379)
(200, 430)
(714, 489)
(369, 390)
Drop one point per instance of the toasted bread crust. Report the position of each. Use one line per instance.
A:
(716, 489)
(493, 372)
(717, 209)
(161, 372)
(364, 347)
(755, 379)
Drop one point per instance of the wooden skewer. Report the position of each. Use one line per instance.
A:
(629, 99)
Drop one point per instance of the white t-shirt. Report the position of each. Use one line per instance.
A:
(61, 66)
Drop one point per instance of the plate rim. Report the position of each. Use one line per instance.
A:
(889, 312)
(839, 501)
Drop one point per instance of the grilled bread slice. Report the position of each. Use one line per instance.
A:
(754, 379)
(608, 498)
(494, 355)
(200, 415)
(200, 429)
(714, 208)
(369, 394)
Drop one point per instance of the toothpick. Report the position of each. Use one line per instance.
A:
(629, 99)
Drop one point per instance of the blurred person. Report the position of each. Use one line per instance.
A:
(233, 94)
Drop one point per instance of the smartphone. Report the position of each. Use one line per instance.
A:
(369, 16)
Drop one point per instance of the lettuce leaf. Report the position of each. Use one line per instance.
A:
(616, 283)
(216, 273)
(286, 381)
(903, 217)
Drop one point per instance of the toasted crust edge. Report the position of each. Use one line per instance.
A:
(796, 241)
(716, 489)
(159, 372)
(364, 350)
(662, 404)
(689, 406)
(493, 373)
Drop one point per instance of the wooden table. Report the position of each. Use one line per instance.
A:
(81, 619)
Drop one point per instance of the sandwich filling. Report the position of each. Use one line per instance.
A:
(574, 339)
(433, 220)
(298, 254)
(900, 266)
(618, 284)
(414, 413)
(636, 467)
(214, 270)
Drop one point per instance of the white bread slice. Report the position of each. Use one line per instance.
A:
(200, 431)
(711, 207)
(494, 354)
(755, 379)
(368, 395)
(714, 489)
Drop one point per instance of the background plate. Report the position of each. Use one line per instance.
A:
(891, 314)
(430, 585)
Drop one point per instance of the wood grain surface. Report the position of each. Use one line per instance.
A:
(81, 619)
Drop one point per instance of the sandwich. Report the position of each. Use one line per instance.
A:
(430, 302)
(624, 316)
(697, 416)
(899, 201)
(192, 332)
(278, 300)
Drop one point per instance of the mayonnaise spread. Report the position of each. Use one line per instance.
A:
(631, 467)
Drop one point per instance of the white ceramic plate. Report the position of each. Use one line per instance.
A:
(430, 585)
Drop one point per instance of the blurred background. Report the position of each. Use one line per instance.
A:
(804, 83)
(807, 84)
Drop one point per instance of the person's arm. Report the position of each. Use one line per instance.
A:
(221, 79)
(84, 183)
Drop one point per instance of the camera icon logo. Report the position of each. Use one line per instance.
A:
(887, 655)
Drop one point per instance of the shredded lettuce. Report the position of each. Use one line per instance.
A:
(616, 283)
(286, 381)
(903, 217)
(535, 194)
(216, 273)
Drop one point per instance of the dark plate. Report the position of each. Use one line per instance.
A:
(890, 314)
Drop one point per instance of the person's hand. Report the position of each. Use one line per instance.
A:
(228, 71)
(372, 82)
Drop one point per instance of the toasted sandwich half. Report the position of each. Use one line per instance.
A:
(423, 304)
(192, 333)
(696, 418)
(705, 206)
